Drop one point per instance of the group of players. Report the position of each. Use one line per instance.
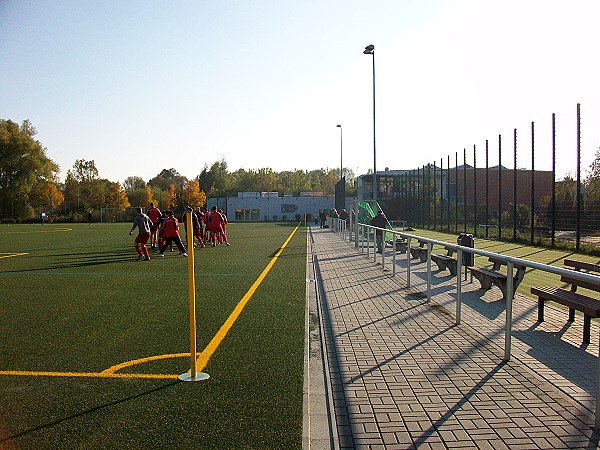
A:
(162, 229)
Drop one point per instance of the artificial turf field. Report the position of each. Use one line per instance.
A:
(74, 303)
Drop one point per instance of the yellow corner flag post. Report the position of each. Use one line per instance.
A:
(192, 375)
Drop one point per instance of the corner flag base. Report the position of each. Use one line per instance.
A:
(200, 376)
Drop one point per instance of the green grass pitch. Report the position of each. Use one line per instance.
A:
(74, 299)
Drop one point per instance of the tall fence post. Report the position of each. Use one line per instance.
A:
(532, 231)
(578, 200)
(515, 187)
(554, 179)
(499, 186)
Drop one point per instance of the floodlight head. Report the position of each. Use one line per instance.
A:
(338, 126)
(369, 49)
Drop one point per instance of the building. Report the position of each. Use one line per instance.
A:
(269, 206)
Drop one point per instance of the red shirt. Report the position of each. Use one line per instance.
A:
(171, 226)
(154, 214)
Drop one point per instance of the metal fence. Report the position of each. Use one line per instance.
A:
(466, 193)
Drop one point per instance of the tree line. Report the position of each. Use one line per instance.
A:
(29, 182)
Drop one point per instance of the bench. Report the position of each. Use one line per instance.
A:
(400, 245)
(446, 261)
(492, 276)
(419, 252)
(590, 307)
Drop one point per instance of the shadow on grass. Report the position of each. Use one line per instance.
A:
(86, 412)
(82, 260)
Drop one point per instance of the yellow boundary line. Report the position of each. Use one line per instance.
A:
(203, 358)
(214, 343)
(10, 254)
(55, 230)
(88, 374)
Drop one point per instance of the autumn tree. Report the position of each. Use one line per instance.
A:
(51, 195)
(192, 195)
(148, 196)
(116, 197)
(170, 199)
(24, 168)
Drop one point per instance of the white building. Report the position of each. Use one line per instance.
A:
(269, 206)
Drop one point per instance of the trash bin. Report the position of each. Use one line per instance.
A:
(466, 240)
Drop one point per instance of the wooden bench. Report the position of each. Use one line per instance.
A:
(400, 245)
(492, 276)
(446, 261)
(590, 307)
(419, 252)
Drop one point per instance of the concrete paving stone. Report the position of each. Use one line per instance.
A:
(485, 444)
(424, 358)
(366, 441)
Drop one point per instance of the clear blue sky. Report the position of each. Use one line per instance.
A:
(139, 86)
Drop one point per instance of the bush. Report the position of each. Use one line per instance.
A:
(283, 218)
(298, 217)
(275, 218)
(9, 220)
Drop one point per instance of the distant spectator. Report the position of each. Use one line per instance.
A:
(323, 217)
(42, 217)
(344, 215)
(379, 221)
(90, 217)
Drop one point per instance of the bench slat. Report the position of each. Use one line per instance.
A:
(571, 299)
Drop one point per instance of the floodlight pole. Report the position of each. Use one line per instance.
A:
(341, 154)
(370, 50)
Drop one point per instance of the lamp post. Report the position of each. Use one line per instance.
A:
(341, 153)
(370, 50)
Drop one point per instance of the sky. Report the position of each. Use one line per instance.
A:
(142, 86)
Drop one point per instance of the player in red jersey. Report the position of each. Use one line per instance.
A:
(142, 222)
(171, 226)
(224, 226)
(154, 214)
(214, 224)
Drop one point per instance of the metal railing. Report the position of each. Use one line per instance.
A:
(364, 238)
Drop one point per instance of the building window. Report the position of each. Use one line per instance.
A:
(247, 215)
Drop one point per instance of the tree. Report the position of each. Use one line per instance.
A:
(215, 179)
(51, 195)
(133, 183)
(170, 200)
(192, 195)
(167, 177)
(117, 197)
(90, 189)
(148, 196)
(24, 168)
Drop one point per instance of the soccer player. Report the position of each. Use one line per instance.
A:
(171, 226)
(196, 227)
(142, 222)
(214, 224)
(200, 215)
(154, 214)
(224, 226)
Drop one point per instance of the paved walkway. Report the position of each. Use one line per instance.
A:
(399, 373)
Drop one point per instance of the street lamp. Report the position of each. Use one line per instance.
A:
(341, 152)
(370, 50)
